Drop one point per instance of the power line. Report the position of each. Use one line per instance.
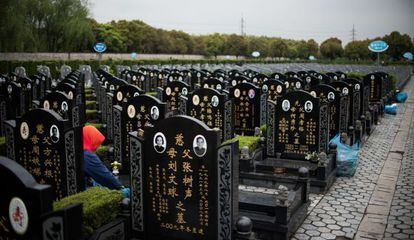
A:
(353, 32)
(243, 33)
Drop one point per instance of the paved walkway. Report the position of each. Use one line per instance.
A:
(378, 200)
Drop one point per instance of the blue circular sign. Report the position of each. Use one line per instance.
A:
(378, 46)
(99, 47)
(312, 58)
(408, 56)
(134, 55)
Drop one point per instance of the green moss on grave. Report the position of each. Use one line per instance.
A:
(90, 104)
(89, 96)
(91, 114)
(263, 128)
(100, 206)
(252, 142)
(154, 94)
(89, 90)
(97, 125)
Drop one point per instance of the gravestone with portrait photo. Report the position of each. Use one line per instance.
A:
(259, 79)
(347, 93)
(247, 113)
(213, 108)
(237, 79)
(183, 182)
(338, 114)
(273, 89)
(323, 78)
(62, 105)
(26, 208)
(310, 81)
(49, 148)
(214, 83)
(278, 76)
(124, 93)
(15, 100)
(26, 89)
(140, 80)
(333, 76)
(64, 71)
(138, 113)
(293, 84)
(297, 134)
(171, 95)
(356, 103)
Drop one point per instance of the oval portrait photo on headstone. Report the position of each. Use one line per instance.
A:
(131, 111)
(64, 106)
(357, 87)
(297, 85)
(70, 94)
(331, 96)
(199, 145)
(345, 91)
(54, 133)
(279, 89)
(237, 93)
(265, 88)
(18, 216)
(196, 100)
(168, 91)
(308, 106)
(251, 93)
(159, 142)
(155, 112)
(184, 91)
(119, 96)
(46, 104)
(214, 101)
(313, 93)
(24, 130)
(285, 105)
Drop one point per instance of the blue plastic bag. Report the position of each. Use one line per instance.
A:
(401, 97)
(346, 158)
(391, 109)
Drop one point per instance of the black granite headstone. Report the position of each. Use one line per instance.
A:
(183, 183)
(49, 148)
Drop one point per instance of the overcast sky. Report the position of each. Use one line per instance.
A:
(296, 19)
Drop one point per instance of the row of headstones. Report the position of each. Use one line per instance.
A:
(20, 94)
(178, 139)
(242, 110)
(192, 194)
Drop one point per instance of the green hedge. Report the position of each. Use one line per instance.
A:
(100, 206)
(91, 114)
(102, 150)
(252, 142)
(31, 66)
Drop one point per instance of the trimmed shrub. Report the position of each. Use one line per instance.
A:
(100, 206)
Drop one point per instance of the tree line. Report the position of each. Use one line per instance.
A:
(65, 26)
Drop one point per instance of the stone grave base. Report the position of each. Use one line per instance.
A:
(277, 207)
(321, 177)
(271, 221)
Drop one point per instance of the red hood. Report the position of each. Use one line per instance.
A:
(92, 138)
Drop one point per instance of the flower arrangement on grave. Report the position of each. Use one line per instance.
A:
(313, 157)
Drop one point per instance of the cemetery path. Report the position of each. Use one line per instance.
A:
(364, 206)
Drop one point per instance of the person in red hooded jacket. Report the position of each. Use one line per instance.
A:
(93, 166)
